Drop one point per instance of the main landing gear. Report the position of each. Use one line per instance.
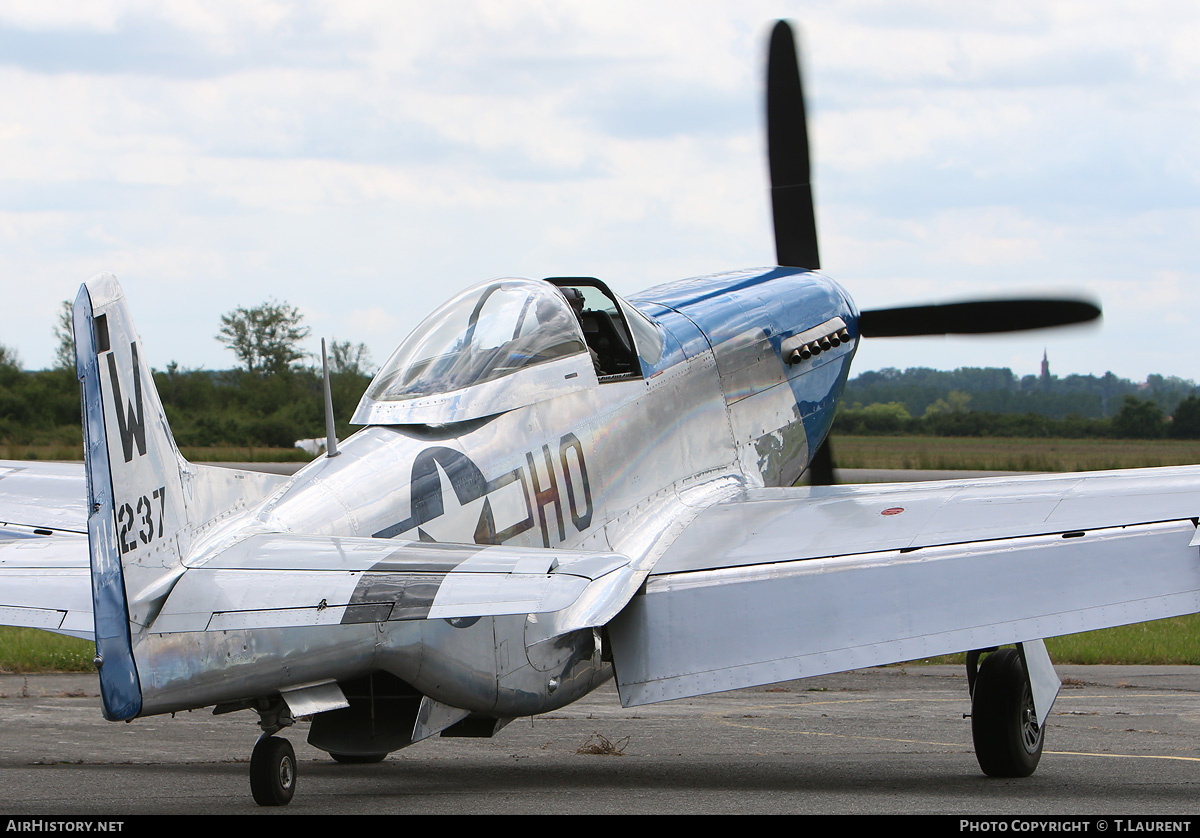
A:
(1004, 726)
(273, 771)
(273, 761)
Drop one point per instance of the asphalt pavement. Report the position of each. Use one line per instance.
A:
(1122, 741)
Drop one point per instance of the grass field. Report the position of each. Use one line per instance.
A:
(1161, 642)
(1005, 454)
(33, 650)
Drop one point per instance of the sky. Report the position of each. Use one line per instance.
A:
(364, 161)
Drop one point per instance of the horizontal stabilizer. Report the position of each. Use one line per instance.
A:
(45, 583)
(49, 496)
(276, 581)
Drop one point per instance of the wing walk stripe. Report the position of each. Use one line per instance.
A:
(387, 596)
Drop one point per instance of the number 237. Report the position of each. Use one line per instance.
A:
(146, 524)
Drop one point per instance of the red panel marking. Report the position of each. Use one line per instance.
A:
(895, 510)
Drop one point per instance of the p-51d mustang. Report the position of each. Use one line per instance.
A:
(547, 495)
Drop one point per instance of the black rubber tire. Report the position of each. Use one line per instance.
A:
(357, 759)
(273, 771)
(1008, 739)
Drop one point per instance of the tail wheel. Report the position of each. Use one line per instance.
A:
(273, 771)
(1008, 739)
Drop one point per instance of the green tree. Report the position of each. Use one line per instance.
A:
(888, 418)
(266, 338)
(1185, 423)
(64, 333)
(10, 380)
(344, 358)
(955, 402)
(1138, 419)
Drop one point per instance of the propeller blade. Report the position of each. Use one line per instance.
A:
(787, 149)
(820, 470)
(974, 318)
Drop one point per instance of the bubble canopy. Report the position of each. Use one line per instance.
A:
(498, 345)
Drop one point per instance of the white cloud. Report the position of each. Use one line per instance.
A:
(397, 152)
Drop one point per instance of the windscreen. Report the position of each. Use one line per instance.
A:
(487, 332)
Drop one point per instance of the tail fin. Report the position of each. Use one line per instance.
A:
(135, 491)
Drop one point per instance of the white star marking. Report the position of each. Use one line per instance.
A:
(458, 521)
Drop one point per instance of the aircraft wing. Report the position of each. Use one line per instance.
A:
(44, 567)
(44, 496)
(776, 584)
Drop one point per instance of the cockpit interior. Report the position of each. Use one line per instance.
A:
(605, 328)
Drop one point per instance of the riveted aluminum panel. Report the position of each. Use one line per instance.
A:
(709, 631)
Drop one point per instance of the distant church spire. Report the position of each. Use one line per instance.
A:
(1045, 366)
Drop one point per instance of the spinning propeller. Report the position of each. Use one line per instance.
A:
(796, 238)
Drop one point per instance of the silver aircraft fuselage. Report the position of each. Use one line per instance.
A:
(620, 465)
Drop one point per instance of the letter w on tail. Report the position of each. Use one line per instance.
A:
(130, 421)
